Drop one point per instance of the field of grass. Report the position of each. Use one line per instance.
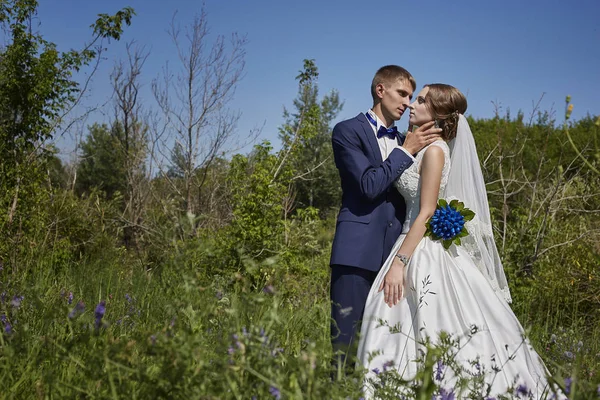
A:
(109, 328)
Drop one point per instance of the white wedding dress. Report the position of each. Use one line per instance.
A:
(444, 290)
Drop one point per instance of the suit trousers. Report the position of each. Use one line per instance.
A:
(349, 290)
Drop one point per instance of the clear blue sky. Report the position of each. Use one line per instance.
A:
(510, 52)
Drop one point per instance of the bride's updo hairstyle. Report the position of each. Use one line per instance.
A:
(445, 102)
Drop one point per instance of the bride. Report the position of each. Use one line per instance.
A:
(423, 289)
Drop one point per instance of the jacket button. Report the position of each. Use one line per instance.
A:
(390, 224)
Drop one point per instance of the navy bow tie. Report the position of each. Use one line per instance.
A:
(392, 132)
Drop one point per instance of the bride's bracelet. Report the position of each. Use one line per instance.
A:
(403, 258)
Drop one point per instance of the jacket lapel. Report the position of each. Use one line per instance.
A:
(400, 138)
(371, 139)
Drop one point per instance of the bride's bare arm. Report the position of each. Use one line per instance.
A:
(431, 177)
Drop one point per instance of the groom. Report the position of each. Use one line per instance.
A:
(370, 156)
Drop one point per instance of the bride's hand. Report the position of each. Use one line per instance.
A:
(393, 283)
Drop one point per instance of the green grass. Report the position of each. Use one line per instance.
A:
(186, 332)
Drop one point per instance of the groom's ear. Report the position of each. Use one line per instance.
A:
(379, 89)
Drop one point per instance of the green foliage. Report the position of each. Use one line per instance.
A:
(257, 203)
(596, 148)
(306, 134)
(180, 334)
(37, 89)
(37, 84)
(543, 198)
(56, 172)
(178, 162)
(102, 164)
(111, 26)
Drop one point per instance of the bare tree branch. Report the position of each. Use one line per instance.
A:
(554, 246)
(194, 100)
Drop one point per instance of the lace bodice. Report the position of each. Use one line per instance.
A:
(409, 183)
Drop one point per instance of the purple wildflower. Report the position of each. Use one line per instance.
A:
(275, 392)
(153, 339)
(522, 390)
(230, 350)
(568, 382)
(128, 298)
(3, 297)
(439, 371)
(445, 395)
(269, 289)
(376, 371)
(99, 313)
(7, 325)
(276, 351)
(70, 298)
(569, 355)
(16, 301)
(78, 309)
(388, 364)
(219, 295)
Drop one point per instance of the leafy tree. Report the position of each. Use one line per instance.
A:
(37, 90)
(178, 162)
(102, 164)
(257, 203)
(262, 184)
(56, 173)
(307, 135)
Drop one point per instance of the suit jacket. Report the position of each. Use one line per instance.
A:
(372, 212)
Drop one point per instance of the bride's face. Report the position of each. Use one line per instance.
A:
(419, 113)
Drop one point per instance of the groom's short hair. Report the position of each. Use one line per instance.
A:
(390, 73)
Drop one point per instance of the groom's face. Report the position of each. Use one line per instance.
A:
(395, 98)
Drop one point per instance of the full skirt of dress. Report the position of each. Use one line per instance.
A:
(445, 291)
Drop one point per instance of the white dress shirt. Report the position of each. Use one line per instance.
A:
(386, 144)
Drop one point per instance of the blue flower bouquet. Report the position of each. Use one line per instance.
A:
(448, 222)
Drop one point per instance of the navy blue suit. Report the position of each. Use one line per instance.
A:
(369, 222)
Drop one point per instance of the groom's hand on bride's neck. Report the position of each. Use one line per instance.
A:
(423, 136)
